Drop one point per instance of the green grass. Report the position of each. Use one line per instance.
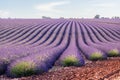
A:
(96, 56)
(70, 61)
(23, 69)
(113, 53)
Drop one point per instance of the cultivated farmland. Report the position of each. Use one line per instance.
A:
(33, 46)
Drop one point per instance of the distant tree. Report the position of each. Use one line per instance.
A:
(44, 17)
(97, 16)
(61, 17)
(9, 18)
(102, 17)
(116, 17)
(105, 18)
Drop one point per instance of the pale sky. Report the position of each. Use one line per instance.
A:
(58, 8)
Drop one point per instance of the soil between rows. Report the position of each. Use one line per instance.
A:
(97, 70)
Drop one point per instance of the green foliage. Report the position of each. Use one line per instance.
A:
(113, 53)
(96, 56)
(70, 61)
(23, 69)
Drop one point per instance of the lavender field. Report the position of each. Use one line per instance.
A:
(33, 46)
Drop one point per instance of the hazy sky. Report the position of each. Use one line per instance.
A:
(58, 8)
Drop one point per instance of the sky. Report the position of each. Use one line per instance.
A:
(59, 8)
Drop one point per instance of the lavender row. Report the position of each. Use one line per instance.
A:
(106, 47)
(39, 62)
